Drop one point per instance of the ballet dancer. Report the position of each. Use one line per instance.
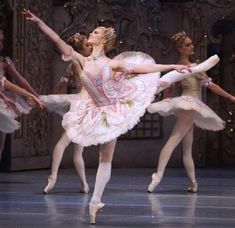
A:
(190, 111)
(111, 101)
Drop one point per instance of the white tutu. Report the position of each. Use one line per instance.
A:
(9, 112)
(8, 124)
(205, 118)
(59, 104)
(124, 100)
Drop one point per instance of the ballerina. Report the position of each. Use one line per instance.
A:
(189, 110)
(80, 44)
(7, 67)
(10, 109)
(114, 96)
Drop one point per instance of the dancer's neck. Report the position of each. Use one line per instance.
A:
(184, 59)
(97, 52)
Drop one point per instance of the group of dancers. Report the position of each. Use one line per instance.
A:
(111, 96)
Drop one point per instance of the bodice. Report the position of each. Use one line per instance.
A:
(95, 76)
(192, 86)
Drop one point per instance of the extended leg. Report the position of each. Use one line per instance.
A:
(175, 76)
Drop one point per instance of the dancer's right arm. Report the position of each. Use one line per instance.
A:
(64, 48)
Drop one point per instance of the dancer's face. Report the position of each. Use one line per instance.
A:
(187, 47)
(1, 40)
(97, 37)
(86, 48)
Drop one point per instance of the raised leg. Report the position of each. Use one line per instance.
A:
(174, 76)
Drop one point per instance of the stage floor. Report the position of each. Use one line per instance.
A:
(128, 204)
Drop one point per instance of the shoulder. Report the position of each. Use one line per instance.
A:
(115, 64)
(7, 61)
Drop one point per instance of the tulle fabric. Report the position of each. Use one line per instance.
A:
(100, 119)
(205, 117)
(10, 111)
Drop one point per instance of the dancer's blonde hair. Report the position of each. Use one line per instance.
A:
(110, 36)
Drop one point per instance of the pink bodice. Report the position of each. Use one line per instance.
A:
(104, 87)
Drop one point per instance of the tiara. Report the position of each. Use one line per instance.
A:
(179, 36)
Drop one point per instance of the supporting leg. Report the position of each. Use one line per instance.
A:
(182, 126)
(57, 155)
(102, 178)
(188, 160)
(80, 167)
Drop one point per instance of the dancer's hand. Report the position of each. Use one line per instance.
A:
(30, 16)
(182, 68)
(36, 101)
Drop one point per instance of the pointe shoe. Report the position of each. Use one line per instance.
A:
(154, 183)
(193, 188)
(84, 188)
(93, 209)
(50, 184)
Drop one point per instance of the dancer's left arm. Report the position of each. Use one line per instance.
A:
(118, 65)
(218, 90)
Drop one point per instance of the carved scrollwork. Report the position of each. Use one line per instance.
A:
(142, 25)
(32, 54)
(220, 3)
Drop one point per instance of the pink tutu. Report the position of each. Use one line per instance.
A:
(108, 106)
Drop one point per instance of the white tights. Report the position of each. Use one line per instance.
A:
(182, 131)
(104, 170)
(58, 152)
(174, 76)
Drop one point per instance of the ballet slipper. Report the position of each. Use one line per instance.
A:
(50, 184)
(193, 188)
(84, 188)
(156, 178)
(93, 209)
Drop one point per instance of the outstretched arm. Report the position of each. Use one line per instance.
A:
(218, 90)
(10, 86)
(118, 65)
(62, 46)
(11, 70)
